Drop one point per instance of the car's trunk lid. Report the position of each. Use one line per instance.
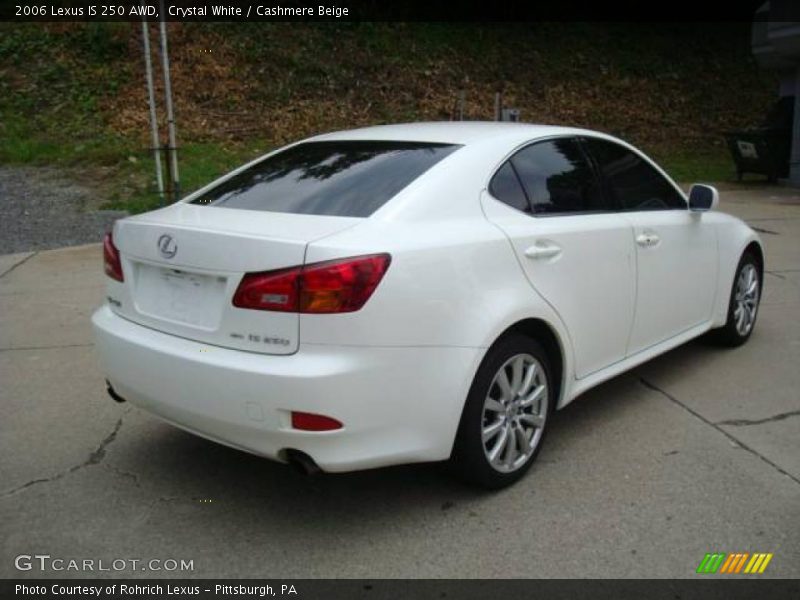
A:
(183, 264)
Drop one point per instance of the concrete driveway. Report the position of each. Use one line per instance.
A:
(696, 451)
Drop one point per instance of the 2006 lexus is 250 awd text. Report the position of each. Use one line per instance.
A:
(417, 292)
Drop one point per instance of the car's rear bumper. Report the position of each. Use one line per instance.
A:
(398, 404)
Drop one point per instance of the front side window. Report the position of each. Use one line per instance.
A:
(340, 178)
(558, 178)
(632, 181)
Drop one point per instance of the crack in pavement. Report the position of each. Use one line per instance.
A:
(716, 426)
(95, 457)
(767, 231)
(56, 347)
(20, 263)
(124, 473)
(772, 219)
(28, 292)
(746, 422)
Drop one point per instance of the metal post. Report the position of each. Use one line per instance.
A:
(497, 106)
(151, 98)
(168, 189)
(173, 148)
(461, 97)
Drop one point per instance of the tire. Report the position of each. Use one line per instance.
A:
(736, 332)
(507, 396)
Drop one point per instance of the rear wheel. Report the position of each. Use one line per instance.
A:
(505, 415)
(743, 303)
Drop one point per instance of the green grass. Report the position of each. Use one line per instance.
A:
(41, 142)
(58, 86)
(703, 165)
(198, 165)
(51, 83)
(19, 146)
(693, 166)
(202, 163)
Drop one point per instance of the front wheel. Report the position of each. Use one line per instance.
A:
(505, 415)
(743, 303)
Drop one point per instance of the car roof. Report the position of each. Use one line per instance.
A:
(454, 132)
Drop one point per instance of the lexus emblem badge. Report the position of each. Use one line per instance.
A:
(167, 246)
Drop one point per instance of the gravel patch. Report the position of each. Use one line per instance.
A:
(41, 208)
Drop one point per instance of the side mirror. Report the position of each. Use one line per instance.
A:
(703, 197)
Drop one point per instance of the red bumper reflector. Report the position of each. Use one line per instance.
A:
(312, 422)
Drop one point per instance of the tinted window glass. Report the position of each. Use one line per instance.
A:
(349, 179)
(558, 178)
(634, 183)
(505, 186)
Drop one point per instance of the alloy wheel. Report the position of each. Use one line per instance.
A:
(514, 413)
(746, 299)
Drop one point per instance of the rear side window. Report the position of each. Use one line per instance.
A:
(346, 178)
(633, 182)
(558, 178)
(506, 187)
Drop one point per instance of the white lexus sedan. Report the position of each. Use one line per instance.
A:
(416, 292)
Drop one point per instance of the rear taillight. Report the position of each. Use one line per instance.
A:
(273, 290)
(336, 286)
(111, 262)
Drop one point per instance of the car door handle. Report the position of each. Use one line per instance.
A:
(543, 250)
(647, 240)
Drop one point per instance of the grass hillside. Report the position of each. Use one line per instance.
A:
(73, 95)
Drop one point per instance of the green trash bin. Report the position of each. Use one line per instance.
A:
(765, 150)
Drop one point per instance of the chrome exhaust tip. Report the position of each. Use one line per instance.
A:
(301, 462)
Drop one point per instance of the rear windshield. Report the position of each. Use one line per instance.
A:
(346, 179)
